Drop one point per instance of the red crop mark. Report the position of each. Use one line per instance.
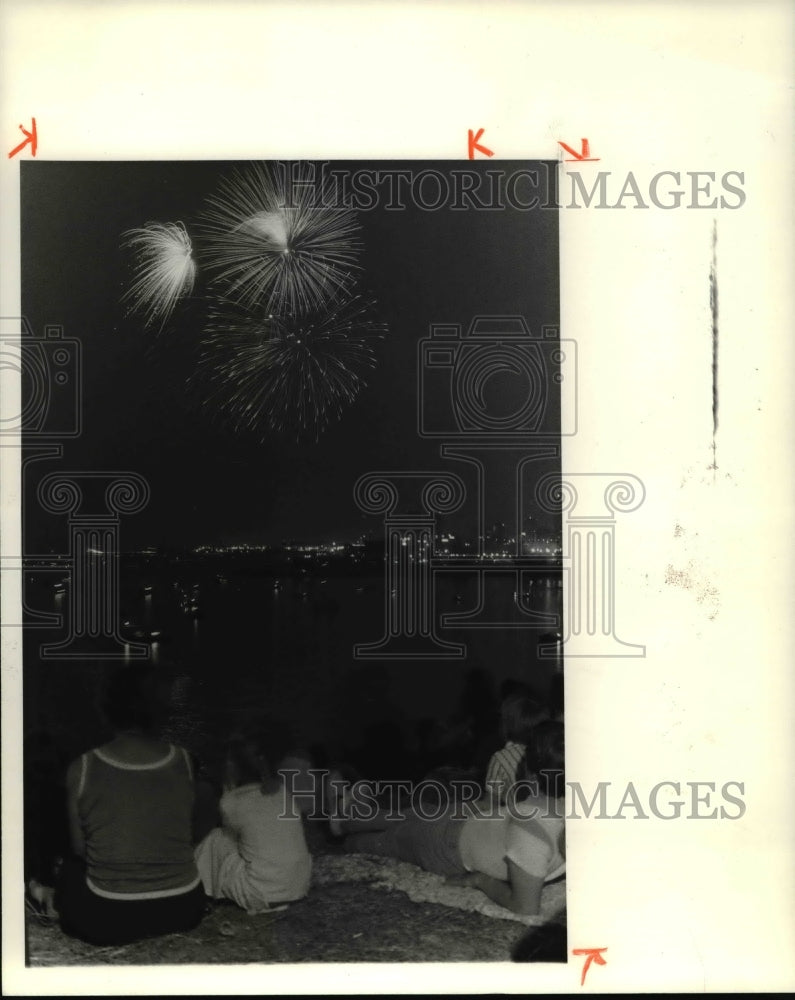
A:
(475, 145)
(30, 137)
(594, 955)
(584, 156)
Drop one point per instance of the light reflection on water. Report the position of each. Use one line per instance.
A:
(288, 649)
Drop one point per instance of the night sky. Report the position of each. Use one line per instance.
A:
(210, 484)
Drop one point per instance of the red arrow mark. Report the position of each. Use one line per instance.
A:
(30, 137)
(594, 955)
(584, 156)
(475, 145)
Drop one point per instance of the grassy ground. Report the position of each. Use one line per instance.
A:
(336, 923)
(343, 921)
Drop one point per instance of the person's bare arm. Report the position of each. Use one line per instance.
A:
(75, 826)
(520, 894)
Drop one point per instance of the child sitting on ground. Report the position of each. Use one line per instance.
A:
(519, 715)
(258, 858)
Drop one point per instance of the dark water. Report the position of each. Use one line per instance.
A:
(287, 649)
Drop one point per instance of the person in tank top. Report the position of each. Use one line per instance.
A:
(130, 804)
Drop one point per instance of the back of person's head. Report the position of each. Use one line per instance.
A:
(255, 751)
(546, 759)
(133, 699)
(519, 715)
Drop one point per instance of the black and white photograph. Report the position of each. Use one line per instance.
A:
(293, 589)
(395, 497)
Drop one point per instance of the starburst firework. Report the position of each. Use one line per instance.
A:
(275, 240)
(164, 269)
(295, 373)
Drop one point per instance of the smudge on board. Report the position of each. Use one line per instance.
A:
(713, 305)
(692, 579)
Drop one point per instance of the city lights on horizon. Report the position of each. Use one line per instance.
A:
(444, 544)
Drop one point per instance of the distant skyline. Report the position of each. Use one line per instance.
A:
(210, 485)
(340, 541)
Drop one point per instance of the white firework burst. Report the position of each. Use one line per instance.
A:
(276, 239)
(165, 270)
(295, 374)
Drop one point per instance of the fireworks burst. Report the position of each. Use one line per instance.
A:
(165, 269)
(273, 239)
(282, 373)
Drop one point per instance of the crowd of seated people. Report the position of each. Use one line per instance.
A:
(147, 842)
